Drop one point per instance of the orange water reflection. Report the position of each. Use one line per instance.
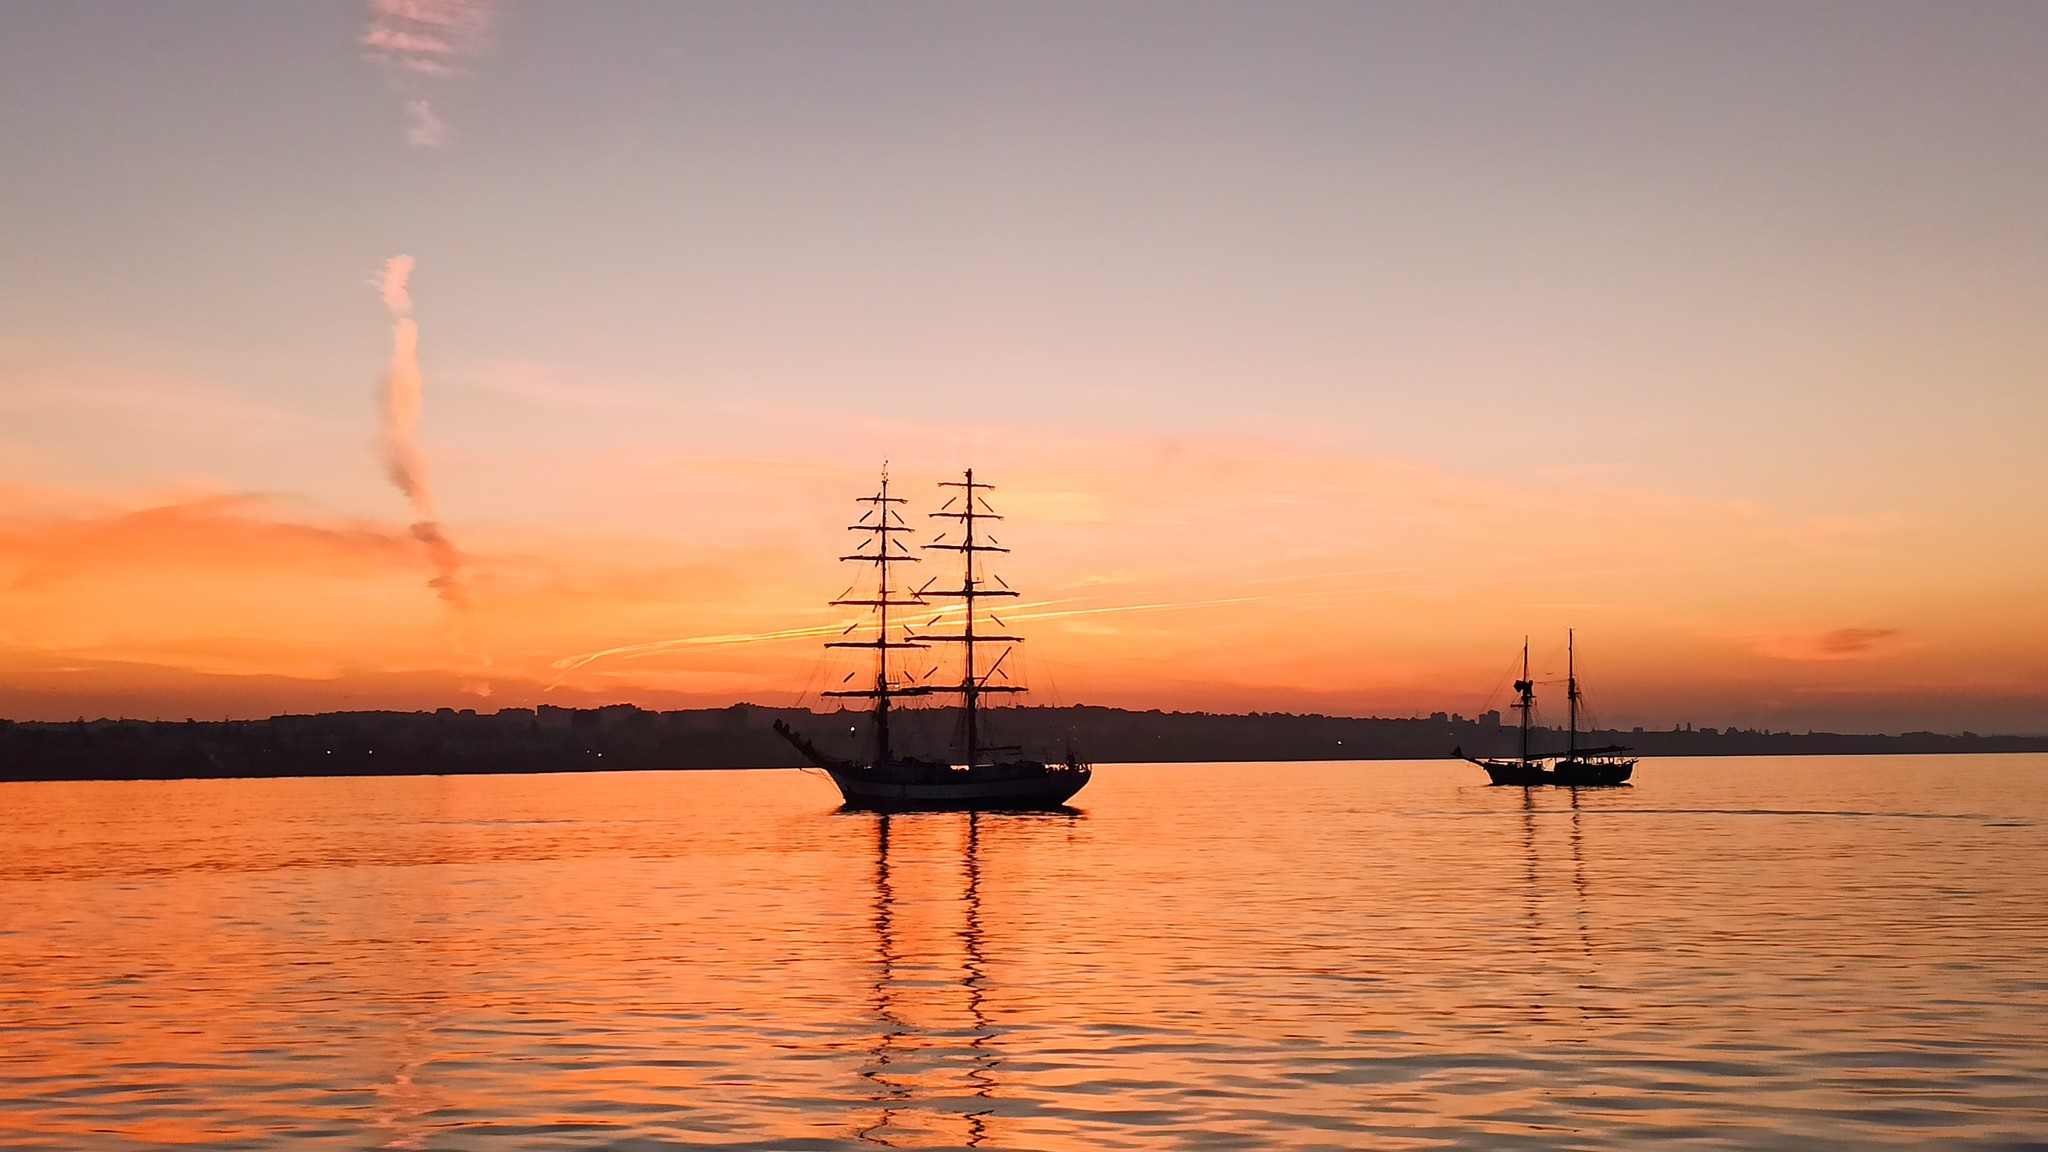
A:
(1288, 956)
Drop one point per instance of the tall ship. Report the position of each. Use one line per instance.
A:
(1575, 767)
(986, 776)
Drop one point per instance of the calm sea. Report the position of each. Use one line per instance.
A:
(1750, 953)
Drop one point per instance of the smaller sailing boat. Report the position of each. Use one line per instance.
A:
(885, 781)
(1575, 767)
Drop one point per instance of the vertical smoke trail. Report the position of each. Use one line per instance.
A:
(402, 462)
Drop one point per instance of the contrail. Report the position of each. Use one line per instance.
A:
(402, 462)
(568, 664)
(1159, 607)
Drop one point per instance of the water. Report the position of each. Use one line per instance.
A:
(1761, 953)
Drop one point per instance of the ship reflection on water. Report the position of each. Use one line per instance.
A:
(1544, 902)
(934, 1063)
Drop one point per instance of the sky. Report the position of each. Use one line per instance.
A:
(425, 353)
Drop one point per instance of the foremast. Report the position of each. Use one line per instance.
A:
(882, 523)
(971, 510)
(1525, 699)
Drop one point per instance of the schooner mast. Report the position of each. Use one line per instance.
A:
(972, 510)
(882, 522)
(1525, 702)
(1571, 692)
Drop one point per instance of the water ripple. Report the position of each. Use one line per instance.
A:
(1826, 954)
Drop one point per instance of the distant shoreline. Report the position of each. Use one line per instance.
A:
(626, 738)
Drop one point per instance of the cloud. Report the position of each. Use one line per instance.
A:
(422, 42)
(1838, 644)
(49, 544)
(394, 285)
(225, 582)
(425, 129)
(427, 37)
(1852, 641)
(403, 398)
(210, 602)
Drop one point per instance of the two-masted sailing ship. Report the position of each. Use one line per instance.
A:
(1575, 767)
(986, 776)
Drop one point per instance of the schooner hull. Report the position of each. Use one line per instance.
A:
(1027, 794)
(1592, 774)
(1509, 773)
(1517, 775)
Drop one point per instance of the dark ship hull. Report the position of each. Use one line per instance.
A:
(908, 785)
(1592, 773)
(1510, 774)
(1018, 787)
(1565, 772)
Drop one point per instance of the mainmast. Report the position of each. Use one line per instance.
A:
(1571, 693)
(1526, 688)
(971, 511)
(886, 523)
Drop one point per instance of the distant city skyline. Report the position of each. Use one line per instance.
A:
(1320, 352)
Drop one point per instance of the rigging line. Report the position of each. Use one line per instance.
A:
(1494, 693)
(814, 682)
(1052, 683)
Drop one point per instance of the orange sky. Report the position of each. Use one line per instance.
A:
(1175, 574)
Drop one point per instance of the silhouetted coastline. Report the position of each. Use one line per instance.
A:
(623, 737)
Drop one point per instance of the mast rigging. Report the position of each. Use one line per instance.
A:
(973, 684)
(887, 522)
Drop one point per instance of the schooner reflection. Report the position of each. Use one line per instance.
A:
(1545, 895)
(933, 1067)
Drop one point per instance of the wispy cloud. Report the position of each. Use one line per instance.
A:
(427, 37)
(223, 582)
(1838, 644)
(213, 583)
(422, 42)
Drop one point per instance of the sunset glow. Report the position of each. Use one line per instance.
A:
(1305, 385)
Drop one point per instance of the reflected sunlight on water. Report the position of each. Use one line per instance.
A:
(1813, 952)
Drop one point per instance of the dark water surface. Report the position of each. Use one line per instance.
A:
(1756, 953)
